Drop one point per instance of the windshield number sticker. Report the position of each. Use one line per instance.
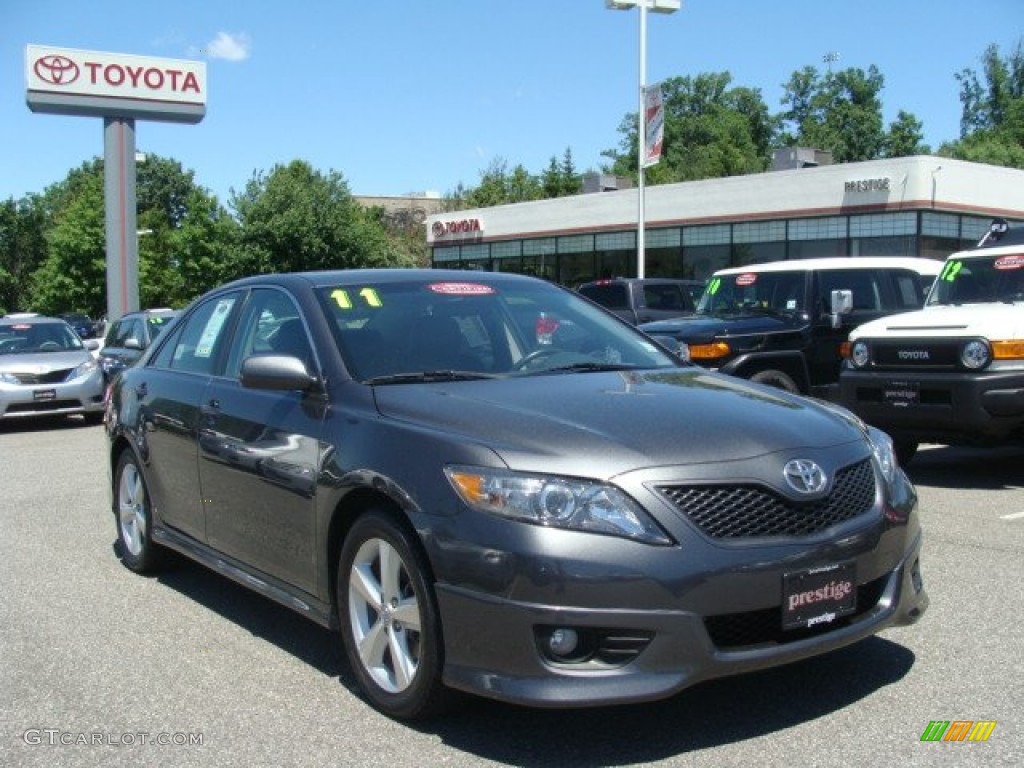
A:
(714, 285)
(369, 296)
(951, 270)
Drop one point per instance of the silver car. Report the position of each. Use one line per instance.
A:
(47, 370)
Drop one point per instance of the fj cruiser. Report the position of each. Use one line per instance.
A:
(644, 299)
(953, 372)
(782, 323)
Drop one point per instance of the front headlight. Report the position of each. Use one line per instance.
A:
(9, 378)
(885, 456)
(975, 354)
(859, 354)
(83, 370)
(559, 502)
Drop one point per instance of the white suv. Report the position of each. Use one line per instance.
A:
(952, 372)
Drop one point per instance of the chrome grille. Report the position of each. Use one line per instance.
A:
(50, 377)
(747, 511)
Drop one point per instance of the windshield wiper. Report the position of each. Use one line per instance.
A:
(427, 376)
(589, 367)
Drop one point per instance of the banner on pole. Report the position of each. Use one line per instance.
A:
(654, 124)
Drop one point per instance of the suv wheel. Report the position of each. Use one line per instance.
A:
(776, 379)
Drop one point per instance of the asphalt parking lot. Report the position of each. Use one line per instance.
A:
(102, 667)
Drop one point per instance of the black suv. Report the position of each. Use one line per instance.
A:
(783, 323)
(129, 336)
(645, 299)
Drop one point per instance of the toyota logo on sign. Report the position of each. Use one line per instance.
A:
(804, 476)
(56, 70)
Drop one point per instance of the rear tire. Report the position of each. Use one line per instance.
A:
(390, 624)
(905, 451)
(133, 515)
(776, 379)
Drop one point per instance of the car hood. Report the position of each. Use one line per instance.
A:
(624, 420)
(992, 321)
(707, 327)
(43, 362)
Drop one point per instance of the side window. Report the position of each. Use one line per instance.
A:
(119, 333)
(867, 294)
(908, 291)
(270, 323)
(667, 297)
(200, 342)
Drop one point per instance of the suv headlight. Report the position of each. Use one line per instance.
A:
(859, 354)
(9, 378)
(559, 502)
(975, 354)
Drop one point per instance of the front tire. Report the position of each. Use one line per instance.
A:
(133, 514)
(390, 624)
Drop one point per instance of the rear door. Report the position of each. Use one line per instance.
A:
(169, 391)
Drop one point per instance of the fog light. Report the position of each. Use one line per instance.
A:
(562, 642)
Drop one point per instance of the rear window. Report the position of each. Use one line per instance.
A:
(610, 295)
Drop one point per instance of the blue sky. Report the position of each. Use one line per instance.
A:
(407, 96)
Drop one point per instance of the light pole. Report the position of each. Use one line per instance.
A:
(658, 6)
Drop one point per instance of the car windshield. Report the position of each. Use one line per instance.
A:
(745, 292)
(157, 323)
(395, 332)
(29, 337)
(977, 280)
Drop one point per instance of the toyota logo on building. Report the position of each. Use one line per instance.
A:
(56, 70)
(804, 476)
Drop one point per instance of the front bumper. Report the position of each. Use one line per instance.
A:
(493, 643)
(81, 395)
(984, 407)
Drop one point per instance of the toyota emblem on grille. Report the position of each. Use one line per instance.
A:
(804, 476)
(56, 70)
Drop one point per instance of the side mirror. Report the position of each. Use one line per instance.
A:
(841, 304)
(277, 372)
(132, 343)
(92, 344)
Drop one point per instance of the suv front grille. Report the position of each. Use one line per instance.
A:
(747, 511)
(923, 354)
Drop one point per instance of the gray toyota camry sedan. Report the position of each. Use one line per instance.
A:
(488, 484)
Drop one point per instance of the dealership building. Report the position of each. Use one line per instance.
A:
(908, 206)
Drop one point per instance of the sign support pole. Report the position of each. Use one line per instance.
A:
(120, 216)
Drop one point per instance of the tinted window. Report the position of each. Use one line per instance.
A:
(864, 283)
(200, 342)
(611, 295)
(664, 296)
(269, 324)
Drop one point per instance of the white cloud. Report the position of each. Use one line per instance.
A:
(233, 47)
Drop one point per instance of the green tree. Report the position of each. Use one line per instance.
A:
(992, 111)
(295, 218)
(73, 274)
(560, 178)
(711, 130)
(22, 249)
(904, 137)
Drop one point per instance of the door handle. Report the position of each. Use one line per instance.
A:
(141, 390)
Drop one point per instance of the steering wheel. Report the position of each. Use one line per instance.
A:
(46, 345)
(538, 354)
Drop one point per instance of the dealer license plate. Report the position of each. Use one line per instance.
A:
(818, 595)
(44, 394)
(901, 393)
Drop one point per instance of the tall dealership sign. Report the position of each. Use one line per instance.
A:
(120, 88)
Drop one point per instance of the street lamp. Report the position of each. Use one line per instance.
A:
(658, 6)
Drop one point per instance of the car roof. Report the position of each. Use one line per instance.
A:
(28, 317)
(920, 265)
